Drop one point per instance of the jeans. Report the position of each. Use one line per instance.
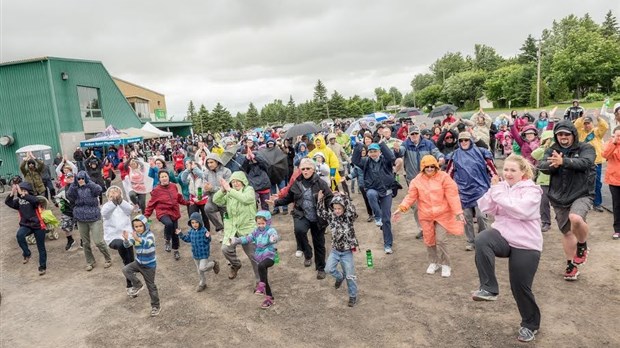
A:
(522, 266)
(274, 190)
(468, 213)
(345, 259)
(301, 227)
(230, 253)
(263, 272)
(382, 206)
(148, 273)
(598, 196)
(125, 253)
(93, 231)
(39, 235)
(170, 227)
(203, 266)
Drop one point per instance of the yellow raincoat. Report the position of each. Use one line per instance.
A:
(330, 158)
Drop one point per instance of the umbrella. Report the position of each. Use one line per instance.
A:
(379, 116)
(228, 154)
(277, 163)
(442, 110)
(408, 112)
(301, 129)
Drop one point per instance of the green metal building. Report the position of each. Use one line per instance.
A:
(57, 102)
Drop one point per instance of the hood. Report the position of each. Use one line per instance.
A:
(428, 161)
(319, 153)
(299, 145)
(113, 188)
(321, 141)
(82, 175)
(31, 161)
(548, 134)
(617, 105)
(566, 124)
(265, 214)
(195, 217)
(143, 220)
(339, 199)
(215, 157)
(331, 136)
(26, 186)
(239, 175)
(527, 128)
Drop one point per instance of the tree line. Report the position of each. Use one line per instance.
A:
(578, 58)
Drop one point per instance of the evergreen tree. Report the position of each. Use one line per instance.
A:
(193, 116)
(337, 106)
(203, 119)
(321, 108)
(239, 120)
(609, 27)
(291, 111)
(222, 119)
(252, 118)
(528, 51)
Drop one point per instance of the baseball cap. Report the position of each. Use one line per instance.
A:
(464, 135)
(587, 119)
(374, 146)
(414, 129)
(69, 174)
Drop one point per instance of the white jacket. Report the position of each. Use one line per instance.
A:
(116, 219)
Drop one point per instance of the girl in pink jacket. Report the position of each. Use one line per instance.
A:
(515, 234)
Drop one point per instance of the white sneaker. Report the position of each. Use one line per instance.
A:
(432, 268)
(388, 250)
(299, 253)
(446, 271)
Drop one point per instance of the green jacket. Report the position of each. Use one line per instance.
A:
(538, 154)
(240, 208)
(34, 176)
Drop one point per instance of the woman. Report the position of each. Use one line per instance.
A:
(137, 183)
(194, 178)
(85, 195)
(304, 193)
(515, 234)
(612, 177)
(438, 202)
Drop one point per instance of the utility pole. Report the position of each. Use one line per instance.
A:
(538, 75)
(413, 86)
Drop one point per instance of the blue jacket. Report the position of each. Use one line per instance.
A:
(378, 175)
(470, 173)
(201, 244)
(85, 199)
(145, 249)
(358, 173)
(412, 155)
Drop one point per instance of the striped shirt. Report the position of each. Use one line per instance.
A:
(145, 249)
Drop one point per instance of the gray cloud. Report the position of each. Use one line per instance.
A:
(241, 51)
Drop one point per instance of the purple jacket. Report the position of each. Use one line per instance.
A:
(517, 213)
(85, 198)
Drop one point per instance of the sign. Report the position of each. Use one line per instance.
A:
(160, 114)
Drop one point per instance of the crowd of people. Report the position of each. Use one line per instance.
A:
(231, 189)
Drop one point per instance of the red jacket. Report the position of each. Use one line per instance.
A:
(106, 170)
(165, 200)
(179, 161)
(123, 167)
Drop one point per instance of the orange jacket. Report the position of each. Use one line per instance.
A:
(612, 154)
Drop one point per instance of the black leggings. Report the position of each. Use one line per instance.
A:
(262, 274)
(169, 230)
(125, 253)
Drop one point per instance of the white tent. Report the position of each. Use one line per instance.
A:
(150, 128)
(141, 133)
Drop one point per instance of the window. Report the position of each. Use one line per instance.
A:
(141, 108)
(89, 102)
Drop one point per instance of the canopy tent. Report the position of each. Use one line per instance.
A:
(138, 132)
(110, 136)
(150, 128)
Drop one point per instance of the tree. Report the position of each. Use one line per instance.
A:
(464, 86)
(429, 95)
(193, 116)
(291, 111)
(239, 120)
(421, 81)
(337, 106)
(510, 83)
(448, 65)
(616, 84)
(545, 93)
(486, 58)
(252, 118)
(408, 100)
(274, 112)
(203, 120)
(379, 93)
(528, 51)
(609, 27)
(395, 95)
(321, 110)
(222, 119)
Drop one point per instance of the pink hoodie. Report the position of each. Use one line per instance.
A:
(517, 213)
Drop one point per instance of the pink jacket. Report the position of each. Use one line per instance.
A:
(517, 213)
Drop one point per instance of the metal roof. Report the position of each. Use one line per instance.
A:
(45, 58)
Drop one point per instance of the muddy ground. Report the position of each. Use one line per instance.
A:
(399, 305)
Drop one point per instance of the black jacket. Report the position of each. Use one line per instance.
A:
(295, 193)
(576, 176)
(378, 175)
(256, 173)
(28, 210)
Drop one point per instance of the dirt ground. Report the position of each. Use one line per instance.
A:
(399, 305)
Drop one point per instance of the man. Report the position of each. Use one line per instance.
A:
(213, 175)
(78, 157)
(594, 136)
(570, 164)
(378, 179)
(472, 168)
(344, 140)
(573, 112)
(449, 119)
(32, 171)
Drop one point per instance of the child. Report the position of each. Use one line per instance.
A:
(200, 239)
(22, 199)
(143, 241)
(67, 222)
(264, 237)
(116, 214)
(322, 169)
(340, 216)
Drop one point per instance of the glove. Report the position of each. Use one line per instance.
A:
(332, 172)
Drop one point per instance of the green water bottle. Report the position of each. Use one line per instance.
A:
(276, 258)
(607, 103)
(369, 261)
(199, 191)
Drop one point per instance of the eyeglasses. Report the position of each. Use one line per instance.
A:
(463, 140)
(562, 134)
(305, 169)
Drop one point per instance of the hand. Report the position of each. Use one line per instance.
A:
(556, 159)
(320, 195)
(125, 235)
(495, 180)
(134, 234)
(208, 187)
(396, 215)
(273, 239)
(460, 217)
(225, 185)
(441, 161)
(207, 234)
(177, 231)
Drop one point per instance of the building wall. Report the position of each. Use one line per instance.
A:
(155, 100)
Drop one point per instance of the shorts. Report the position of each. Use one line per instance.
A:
(67, 223)
(580, 206)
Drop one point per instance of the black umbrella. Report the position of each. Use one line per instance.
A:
(408, 112)
(302, 129)
(442, 110)
(277, 163)
(229, 153)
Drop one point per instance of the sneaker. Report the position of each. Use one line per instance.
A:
(545, 228)
(388, 250)
(299, 253)
(446, 271)
(352, 301)
(155, 311)
(616, 236)
(201, 287)
(41, 271)
(260, 289)
(526, 335)
(378, 223)
(267, 303)
(582, 254)
(320, 275)
(571, 272)
(177, 255)
(70, 244)
(81, 244)
(432, 268)
(307, 262)
(232, 273)
(483, 295)
(469, 247)
(338, 283)
(26, 259)
(599, 208)
(89, 267)
(420, 235)
(129, 290)
(370, 218)
(216, 267)
(133, 292)
(167, 246)
(107, 264)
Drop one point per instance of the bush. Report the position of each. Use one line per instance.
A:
(592, 97)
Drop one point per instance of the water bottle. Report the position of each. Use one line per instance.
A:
(199, 191)
(369, 261)
(276, 258)
(607, 103)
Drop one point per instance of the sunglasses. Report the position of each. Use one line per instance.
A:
(81, 179)
(305, 169)
(463, 140)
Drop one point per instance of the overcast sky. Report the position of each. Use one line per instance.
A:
(236, 52)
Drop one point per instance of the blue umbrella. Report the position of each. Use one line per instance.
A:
(379, 116)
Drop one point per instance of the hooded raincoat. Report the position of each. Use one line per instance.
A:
(330, 157)
(240, 207)
(471, 169)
